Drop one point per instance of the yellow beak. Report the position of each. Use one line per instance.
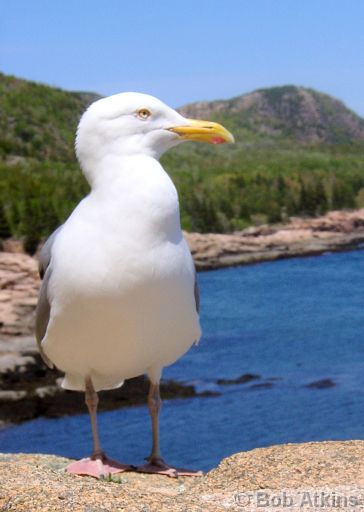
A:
(203, 131)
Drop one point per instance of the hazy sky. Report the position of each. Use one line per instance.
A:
(184, 51)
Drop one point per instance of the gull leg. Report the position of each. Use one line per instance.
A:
(92, 401)
(98, 464)
(154, 406)
(156, 464)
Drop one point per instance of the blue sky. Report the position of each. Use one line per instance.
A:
(187, 51)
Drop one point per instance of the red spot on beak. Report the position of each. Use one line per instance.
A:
(217, 140)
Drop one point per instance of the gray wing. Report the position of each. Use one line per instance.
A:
(46, 252)
(42, 311)
(197, 293)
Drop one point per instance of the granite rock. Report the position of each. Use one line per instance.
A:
(311, 476)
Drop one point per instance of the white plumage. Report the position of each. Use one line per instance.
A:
(119, 292)
(122, 283)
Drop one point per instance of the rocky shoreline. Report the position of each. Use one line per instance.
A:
(336, 231)
(29, 389)
(310, 476)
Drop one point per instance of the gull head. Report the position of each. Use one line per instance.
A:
(130, 123)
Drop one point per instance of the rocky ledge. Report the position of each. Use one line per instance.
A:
(299, 237)
(312, 476)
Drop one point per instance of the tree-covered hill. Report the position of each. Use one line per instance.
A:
(39, 121)
(295, 114)
(297, 152)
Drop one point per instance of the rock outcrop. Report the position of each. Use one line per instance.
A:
(19, 284)
(29, 389)
(312, 476)
(299, 237)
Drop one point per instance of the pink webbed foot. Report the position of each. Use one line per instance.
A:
(157, 466)
(98, 466)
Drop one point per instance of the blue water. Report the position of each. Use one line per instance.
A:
(293, 322)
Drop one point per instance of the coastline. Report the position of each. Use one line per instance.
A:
(335, 231)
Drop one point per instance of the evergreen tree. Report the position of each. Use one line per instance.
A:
(322, 204)
(5, 231)
(32, 226)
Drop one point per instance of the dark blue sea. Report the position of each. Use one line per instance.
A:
(293, 322)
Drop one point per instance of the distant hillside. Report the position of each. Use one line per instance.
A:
(295, 113)
(39, 121)
(298, 152)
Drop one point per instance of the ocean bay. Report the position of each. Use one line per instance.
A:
(292, 323)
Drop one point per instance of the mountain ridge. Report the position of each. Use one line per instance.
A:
(301, 114)
(39, 121)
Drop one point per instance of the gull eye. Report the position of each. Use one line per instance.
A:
(143, 113)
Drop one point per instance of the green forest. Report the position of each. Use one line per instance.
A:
(215, 196)
(261, 179)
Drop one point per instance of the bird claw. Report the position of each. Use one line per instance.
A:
(159, 467)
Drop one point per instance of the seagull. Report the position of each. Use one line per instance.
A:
(119, 296)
